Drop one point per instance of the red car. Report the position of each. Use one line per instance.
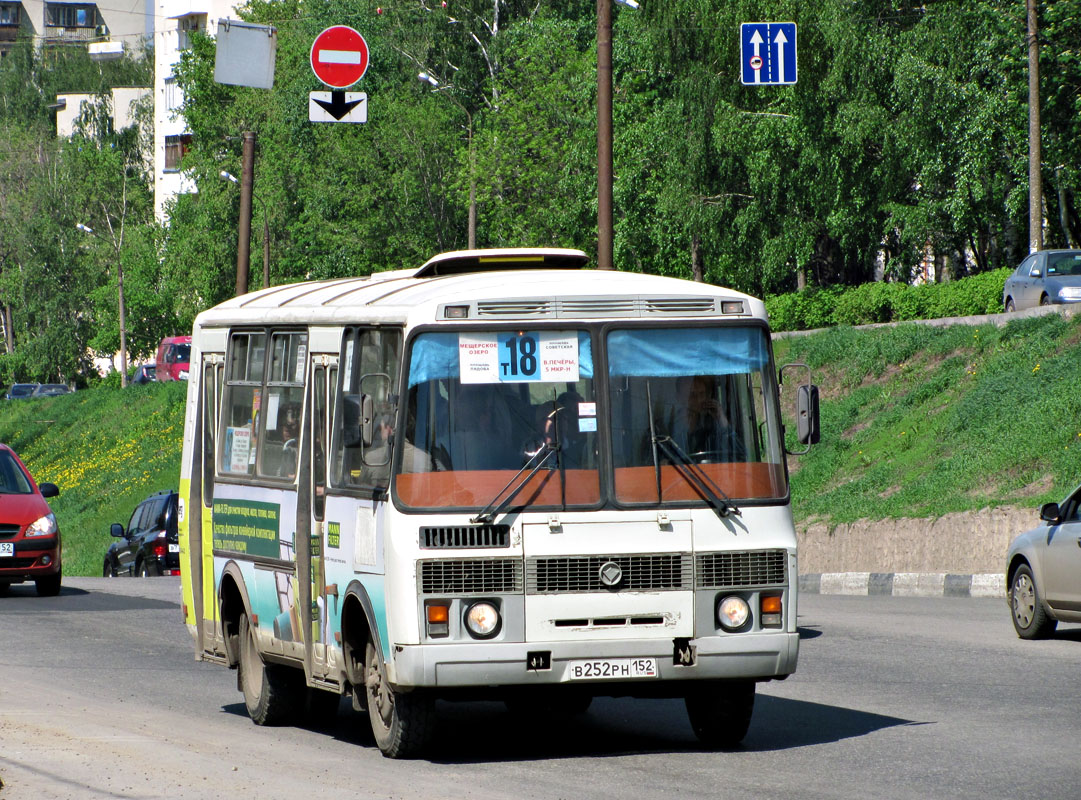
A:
(174, 357)
(29, 535)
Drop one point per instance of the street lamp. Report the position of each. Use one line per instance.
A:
(431, 80)
(227, 176)
(120, 300)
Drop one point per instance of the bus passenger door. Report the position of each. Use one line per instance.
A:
(324, 591)
(211, 643)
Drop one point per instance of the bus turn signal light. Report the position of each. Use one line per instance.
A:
(438, 620)
(771, 610)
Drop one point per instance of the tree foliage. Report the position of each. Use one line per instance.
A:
(904, 141)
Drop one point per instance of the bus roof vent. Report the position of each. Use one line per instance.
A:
(600, 307)
(516, 308)
(603, 306)
(461, 262)
(680, 305)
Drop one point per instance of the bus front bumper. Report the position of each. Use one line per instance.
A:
(754, 656)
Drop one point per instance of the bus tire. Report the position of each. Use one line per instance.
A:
(270, 691)
(402, 722)
(720, 713)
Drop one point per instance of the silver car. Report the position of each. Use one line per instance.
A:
(1044, 278)
(1043, 571)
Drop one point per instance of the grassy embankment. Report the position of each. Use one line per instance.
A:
(106, 449)
(916, 422)
(920, 421)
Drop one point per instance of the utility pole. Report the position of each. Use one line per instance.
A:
(604, 134)
(243, 245)
(1035, 187)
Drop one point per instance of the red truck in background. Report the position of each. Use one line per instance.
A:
(174, 359)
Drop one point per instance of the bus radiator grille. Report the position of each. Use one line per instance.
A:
(470, 576)
(742, 569)
(655, 572)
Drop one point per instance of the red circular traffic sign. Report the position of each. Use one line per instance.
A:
(756, 62)
(339, 56)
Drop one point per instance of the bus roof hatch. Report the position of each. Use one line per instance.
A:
(460, 262)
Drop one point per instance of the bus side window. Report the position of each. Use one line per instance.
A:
(283, 402)
(243, 395)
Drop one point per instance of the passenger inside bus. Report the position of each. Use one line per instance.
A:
(484, 434)
(699, 425)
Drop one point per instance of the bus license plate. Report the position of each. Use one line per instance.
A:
(174, 548)
(612, 668)
(7, 549)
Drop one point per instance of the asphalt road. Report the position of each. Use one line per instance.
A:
(100, 697)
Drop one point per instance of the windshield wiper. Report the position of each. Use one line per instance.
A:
(538, 460)
(696, 476)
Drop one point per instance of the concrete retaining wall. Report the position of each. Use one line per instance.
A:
(962, 543)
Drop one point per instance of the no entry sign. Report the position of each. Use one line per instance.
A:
(339, 56)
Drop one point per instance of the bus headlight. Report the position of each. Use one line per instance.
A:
(733, 612)
(482, 620)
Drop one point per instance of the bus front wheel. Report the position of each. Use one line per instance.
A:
(402, 722)
(270, 691)
(720, 713)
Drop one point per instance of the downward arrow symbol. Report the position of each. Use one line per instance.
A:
(338, 106)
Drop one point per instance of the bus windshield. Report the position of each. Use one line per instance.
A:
(691, 414)
(481, 406)
(692, 407)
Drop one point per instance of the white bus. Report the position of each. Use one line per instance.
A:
(499, 475)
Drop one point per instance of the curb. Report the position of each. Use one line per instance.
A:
(905, 584)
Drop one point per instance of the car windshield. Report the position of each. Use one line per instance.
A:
(12, 478)
(22, 390)
(481, 406)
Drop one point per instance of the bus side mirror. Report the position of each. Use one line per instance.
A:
(807, 428)
(374, 387)
(807, 425)
(367, 419)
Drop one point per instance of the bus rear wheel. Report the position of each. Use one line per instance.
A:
(271, 692)
(720, 713)
(402, 722)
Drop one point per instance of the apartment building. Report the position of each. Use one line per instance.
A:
(177, 21)
(107, 30)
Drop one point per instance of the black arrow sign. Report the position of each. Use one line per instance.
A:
(338, 106)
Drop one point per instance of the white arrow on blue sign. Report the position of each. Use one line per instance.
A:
(767, 53)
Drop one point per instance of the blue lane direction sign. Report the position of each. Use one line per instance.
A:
(767, 53)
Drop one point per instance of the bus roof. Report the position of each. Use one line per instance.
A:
(492, 285)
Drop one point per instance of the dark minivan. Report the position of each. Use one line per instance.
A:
(149, 545)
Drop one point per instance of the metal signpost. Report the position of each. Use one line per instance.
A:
(339, 58)
(767, 53)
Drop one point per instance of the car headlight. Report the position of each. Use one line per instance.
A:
(482, 620)
(1070, 293)
(733, 612)
(45, 526)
